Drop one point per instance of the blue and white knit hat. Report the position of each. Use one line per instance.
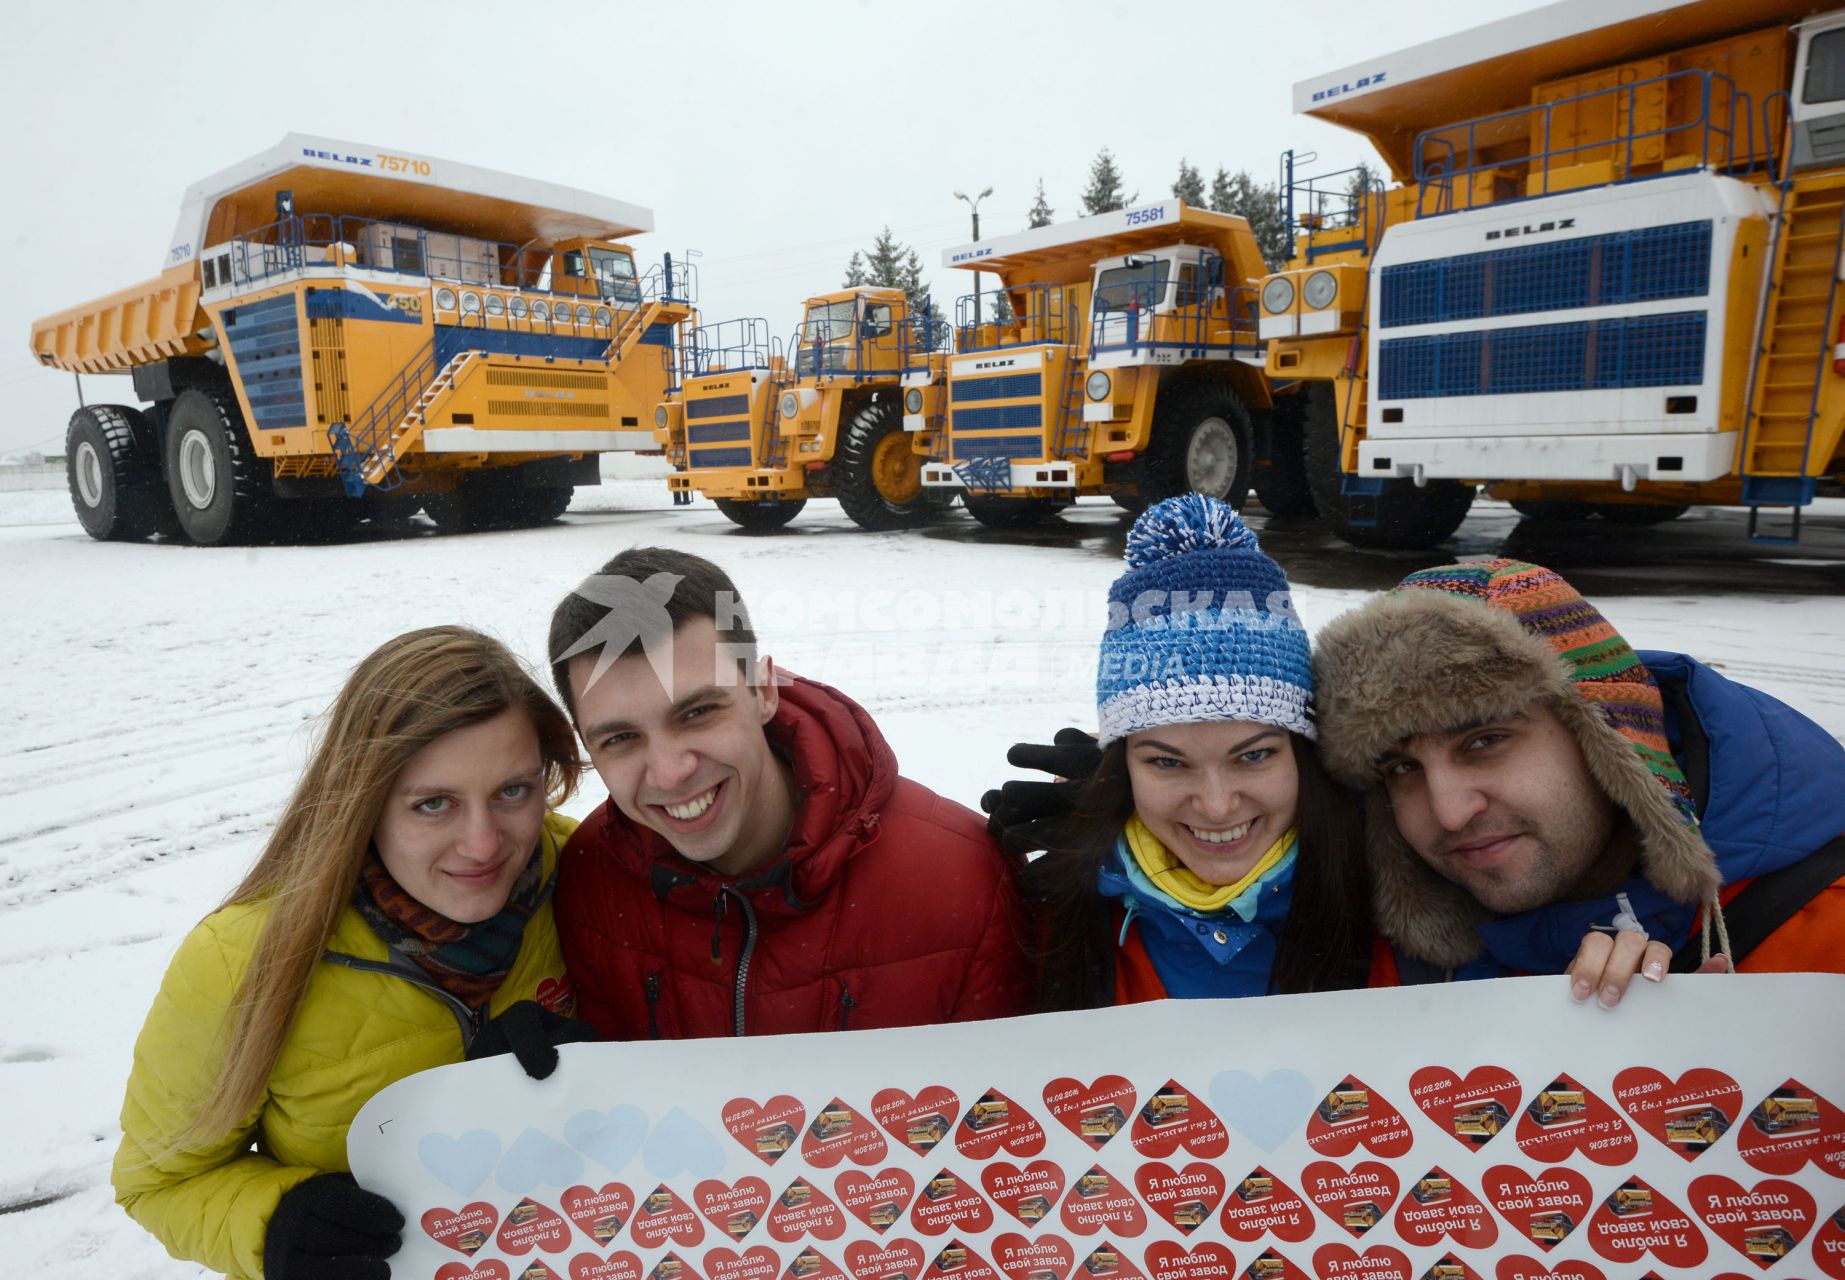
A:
(1201, 627)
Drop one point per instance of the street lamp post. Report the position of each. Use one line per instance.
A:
(973, 204)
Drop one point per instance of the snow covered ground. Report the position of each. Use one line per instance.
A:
(158, 701)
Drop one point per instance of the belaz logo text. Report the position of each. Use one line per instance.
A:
(1363, 82)
(1506, 233)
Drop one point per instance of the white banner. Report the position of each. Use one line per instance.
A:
(1490, 1130)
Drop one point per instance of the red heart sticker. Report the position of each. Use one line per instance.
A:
(1183, 1197)
(663, 1216)
(802, 1209)
(620, 1265)
(1342, 1262)
(530, 1225)
(1522, 1268)
(1636, 1220)
(1093, 1112)
(465, 1230)
(1173, 1117)
(537, 1270)
(1763, 1222)
(733, 1208)
(1438, 1205)
(995, 1123)
(1688, 1114)
(1450, 1267)
(1097, 1200)
(1027, 1194)
(1791, 1126)
(1474, 1107)
(1209, 1261)
(960, 1262)
(840, 1133)
(1357, 1198)
(947, 1202)
(1271, 1265)
(1565, 1118)
(919, 1121)
(1352, 1115)
(557, 995)
(1049, 1257)
(599, 1212)
(478, 1271)
(811, 1264)
(1829, 1246)
(1107, 1260)
(1262, 1203)
(870, 1260)
(1544, 1209)
(759, 1263)
(767, 1130)
(876, 1201)
(672, 1267)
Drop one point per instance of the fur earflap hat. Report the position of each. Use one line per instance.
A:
(1468, 643)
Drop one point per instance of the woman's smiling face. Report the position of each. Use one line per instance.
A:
(1216, 794)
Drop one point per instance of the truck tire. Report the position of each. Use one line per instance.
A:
(760, 517)
(1636, 514)
(1201, 443)
(1281, 486)
(877, 477)
(219, 487)
(1402, 516)
(390, 508)
(1009, 513)
(110, 461)
(1535, 509)
(496, 499)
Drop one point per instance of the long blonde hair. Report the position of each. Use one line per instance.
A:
(407, 693)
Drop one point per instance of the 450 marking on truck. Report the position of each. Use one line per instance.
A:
(1140, 217)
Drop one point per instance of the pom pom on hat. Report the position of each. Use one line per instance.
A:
(1192, 522)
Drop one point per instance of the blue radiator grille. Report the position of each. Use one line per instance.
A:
(997, 447)
(1009, 386)
(1585, 355)
(999, 417)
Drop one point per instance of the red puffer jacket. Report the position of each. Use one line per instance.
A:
(890, 906)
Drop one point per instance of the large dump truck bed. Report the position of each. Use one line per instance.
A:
(155, 320)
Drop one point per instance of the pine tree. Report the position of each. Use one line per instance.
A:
(1238, 193)
(1041, 214)
(1221, 191)
(891, 264)
(1103, 194)
(1190, 186)
(855, 271)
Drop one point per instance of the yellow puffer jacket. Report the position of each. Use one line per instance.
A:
(358, 1030)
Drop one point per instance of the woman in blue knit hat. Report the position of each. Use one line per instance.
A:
(1209, 854)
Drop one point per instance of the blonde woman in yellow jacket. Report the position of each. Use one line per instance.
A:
(402, 902)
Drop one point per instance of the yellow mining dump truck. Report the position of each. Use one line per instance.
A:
(760, 426)
(1604, 283)
(1130, 365)
(343, 331)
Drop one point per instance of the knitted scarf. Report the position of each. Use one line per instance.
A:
(1178, 882)
(468, 961)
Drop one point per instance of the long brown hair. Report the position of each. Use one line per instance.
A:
(1325, 941)
(407, 693)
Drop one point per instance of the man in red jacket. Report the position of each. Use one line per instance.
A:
(760, 866)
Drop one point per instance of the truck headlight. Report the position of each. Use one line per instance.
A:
(1321, 288)
(470, 303)
(496, 305)
(912, 400)
(1098, 385)
(1277, 294)
(604, 316)
(791, 405)
(659, 416)
(445, 299)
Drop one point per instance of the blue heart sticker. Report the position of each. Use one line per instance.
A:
(680, 1144)
(610, 1138)
(535, 1160)
(1265, 1111)
(460, 1164)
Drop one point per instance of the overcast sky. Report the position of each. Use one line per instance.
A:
(774, 138)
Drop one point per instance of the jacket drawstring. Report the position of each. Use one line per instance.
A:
(718, 907)
(1713, 909)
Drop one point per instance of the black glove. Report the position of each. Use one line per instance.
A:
(531, 1033)
(1024, 815)
(331, 1228)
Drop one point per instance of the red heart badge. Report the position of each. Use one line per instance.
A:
(1173, 1117)
(1027, 1194)
(733, 1208)
(600, 1212)
(1544, 1209)
(1093, 1112)
(537, 1270)
(876, 1201)
(759, 1263)
(996, 1123)
(1565, 1118)
(960, 1262)
(871, 1260)
(919, 1121)
(1097, 1200)
(947, 1202)
(530, 1225)
(1049, 1257)
(1209, 1261)
(1183, 1197)
(1263, 1204)
(663, 1216)
(802, 1209)
(476, 1271)
(1763, 1222)
(1474, 1107)
(672, 1267)
(466, 1230)
(1450, 1267)
(1357, 1198)
(1635, 1220)
(620, 1265)
(1791, 1126)
(1829, 1246)
(1272, 1265)
(811, 1264)
(1352, 1115)
(767, 1130)
(1688, 1114)
(1342, 1262)
(1108, 1262)
(840, 1133)
(1523, 1268)
(1438, 1206)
